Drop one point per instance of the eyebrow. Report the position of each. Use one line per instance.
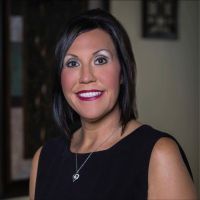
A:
(107, 50)
(72, 55)
(96, 52)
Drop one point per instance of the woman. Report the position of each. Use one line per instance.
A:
(111, 155)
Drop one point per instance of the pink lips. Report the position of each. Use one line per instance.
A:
(89, 95)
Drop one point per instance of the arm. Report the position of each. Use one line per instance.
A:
(34, 174)
(168, 176)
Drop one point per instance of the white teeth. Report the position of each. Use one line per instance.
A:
(89, 94)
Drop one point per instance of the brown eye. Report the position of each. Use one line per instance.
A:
(101, 60)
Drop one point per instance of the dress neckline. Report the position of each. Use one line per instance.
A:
(117, 144)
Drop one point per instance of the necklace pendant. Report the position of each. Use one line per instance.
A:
(75, 177)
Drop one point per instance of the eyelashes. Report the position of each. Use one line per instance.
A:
(101, 60)
(71, 63)
(98, 60)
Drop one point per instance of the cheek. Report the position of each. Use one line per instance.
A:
(67, 81)
(113, 80)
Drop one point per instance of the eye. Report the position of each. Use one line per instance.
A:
(72, 63)
(101, 60)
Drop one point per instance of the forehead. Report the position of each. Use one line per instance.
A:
(94, 39)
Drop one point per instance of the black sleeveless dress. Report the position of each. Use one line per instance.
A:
(120, 172)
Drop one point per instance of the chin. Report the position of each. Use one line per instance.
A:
(91, 118)
(95, 117)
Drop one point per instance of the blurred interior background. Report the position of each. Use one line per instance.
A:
(165, 40)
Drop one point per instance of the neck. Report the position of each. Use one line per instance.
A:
(92, 134)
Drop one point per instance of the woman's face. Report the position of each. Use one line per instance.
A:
(90, 77)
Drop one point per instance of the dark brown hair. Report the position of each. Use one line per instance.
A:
(64, 115)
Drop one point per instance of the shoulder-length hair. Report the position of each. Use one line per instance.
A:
(64, 115)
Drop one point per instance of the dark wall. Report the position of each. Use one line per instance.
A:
(8, 187)
(1, 94)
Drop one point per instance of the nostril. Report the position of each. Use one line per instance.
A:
(87, 76)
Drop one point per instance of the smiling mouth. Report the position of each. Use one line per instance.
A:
(89, 95)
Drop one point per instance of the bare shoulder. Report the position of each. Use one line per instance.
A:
(168, 176)
(33, 174)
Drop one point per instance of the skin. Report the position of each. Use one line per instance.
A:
(33, 174)
(96, 66)
(92, 63)
(168, 176)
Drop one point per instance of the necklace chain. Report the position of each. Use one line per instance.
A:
(77, 175)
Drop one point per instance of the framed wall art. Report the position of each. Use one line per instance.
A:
(159, 19)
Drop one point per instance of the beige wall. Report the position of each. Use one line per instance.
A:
(167, 75)
(199, 90)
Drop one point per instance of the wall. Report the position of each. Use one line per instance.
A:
(1, 93)
(199, 88)
(167, 75)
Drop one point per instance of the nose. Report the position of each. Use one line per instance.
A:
(87, 75)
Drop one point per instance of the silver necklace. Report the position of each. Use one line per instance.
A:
(76, 175)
